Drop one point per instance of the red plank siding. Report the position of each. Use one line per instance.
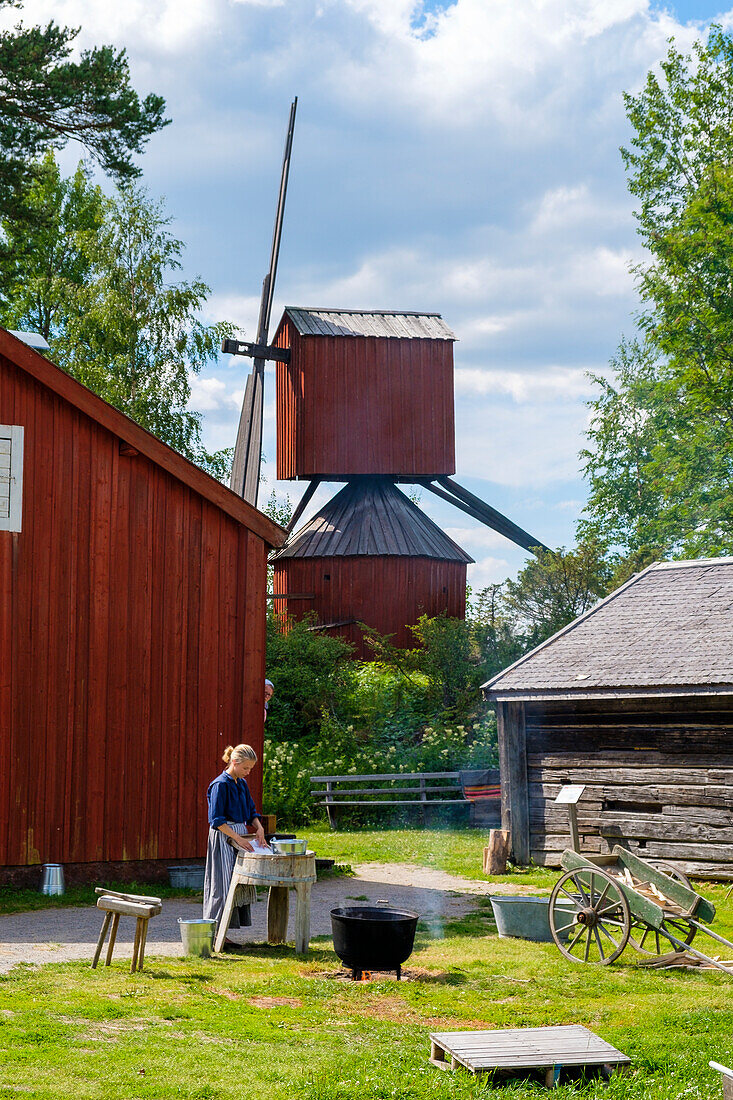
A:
(364, 405)
(389, 594)
(132, 640)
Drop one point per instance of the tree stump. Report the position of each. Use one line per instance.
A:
(497, 852)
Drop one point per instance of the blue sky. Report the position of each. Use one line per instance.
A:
(454, 157)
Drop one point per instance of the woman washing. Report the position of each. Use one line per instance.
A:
(231, 811)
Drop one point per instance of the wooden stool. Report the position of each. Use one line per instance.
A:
(115, 905)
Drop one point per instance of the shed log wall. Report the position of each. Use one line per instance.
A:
(131, 646)
(658, 775)
(387, 593)
(364, 405)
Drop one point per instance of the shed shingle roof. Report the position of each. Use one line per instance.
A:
(668, 627)
(367, 322)
(370, 516)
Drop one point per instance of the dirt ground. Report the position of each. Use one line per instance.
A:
(54, 935)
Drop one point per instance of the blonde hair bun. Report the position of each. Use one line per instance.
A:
(239, 754)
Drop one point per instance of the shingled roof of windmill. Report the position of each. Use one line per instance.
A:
(370, 516)
(669, 627)
(369, 322)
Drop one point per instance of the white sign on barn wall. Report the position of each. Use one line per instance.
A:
(11, 477)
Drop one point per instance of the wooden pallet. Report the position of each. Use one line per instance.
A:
(526, 1048)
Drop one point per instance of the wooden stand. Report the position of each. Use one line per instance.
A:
(281, 873)
(114, 905)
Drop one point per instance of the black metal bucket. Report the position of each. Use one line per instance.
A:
(373, 937)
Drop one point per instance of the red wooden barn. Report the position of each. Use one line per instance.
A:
(132, 630)
(371, 556)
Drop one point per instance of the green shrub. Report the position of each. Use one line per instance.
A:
(288, 767)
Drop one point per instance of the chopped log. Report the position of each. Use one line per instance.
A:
(497, 852)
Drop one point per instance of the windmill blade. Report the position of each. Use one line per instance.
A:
(245, 478)
(468, 502)
(247, 454)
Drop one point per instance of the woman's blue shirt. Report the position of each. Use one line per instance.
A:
(229, 800)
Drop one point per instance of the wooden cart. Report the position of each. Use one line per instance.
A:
(603, 903)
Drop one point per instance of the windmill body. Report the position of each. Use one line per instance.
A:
(366, 397)
(364, 393)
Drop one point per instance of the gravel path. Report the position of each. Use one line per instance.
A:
(55, 935)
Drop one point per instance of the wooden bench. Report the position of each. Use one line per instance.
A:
(425, 790)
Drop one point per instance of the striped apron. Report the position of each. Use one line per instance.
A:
(220, 859)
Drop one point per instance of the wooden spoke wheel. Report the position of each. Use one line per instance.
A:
(589, 916)
(653, 941)
(673, 871)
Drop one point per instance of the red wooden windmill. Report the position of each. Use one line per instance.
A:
(364, 397)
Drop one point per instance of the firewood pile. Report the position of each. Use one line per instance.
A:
(647, 890)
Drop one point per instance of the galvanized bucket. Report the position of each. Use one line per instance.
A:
(197, 936)
(53, 879)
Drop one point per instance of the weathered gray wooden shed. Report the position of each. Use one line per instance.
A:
(634, 700)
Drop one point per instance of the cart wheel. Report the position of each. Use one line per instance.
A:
(673, 871)
(589, 916)
(653, 941)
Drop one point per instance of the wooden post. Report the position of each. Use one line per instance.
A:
(278, 904)
(437, 1053)
(495, 855)
(112, 938)
(143, 941)
(100, 941)
(513, 767)
(574, 834)
(136, 945)
(302, 917)
(226, 916)
(329, 799)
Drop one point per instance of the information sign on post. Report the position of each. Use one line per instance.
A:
(569, 797)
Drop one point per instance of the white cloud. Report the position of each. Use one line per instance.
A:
(524, 63)
(465, 162)
(548, 385)
(477, 536)
(208, 394)
(165, 26)
(486, 571)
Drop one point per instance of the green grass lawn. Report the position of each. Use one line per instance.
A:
(264, 1024)
(457, 851)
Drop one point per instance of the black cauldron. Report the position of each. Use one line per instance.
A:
(373, 937)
